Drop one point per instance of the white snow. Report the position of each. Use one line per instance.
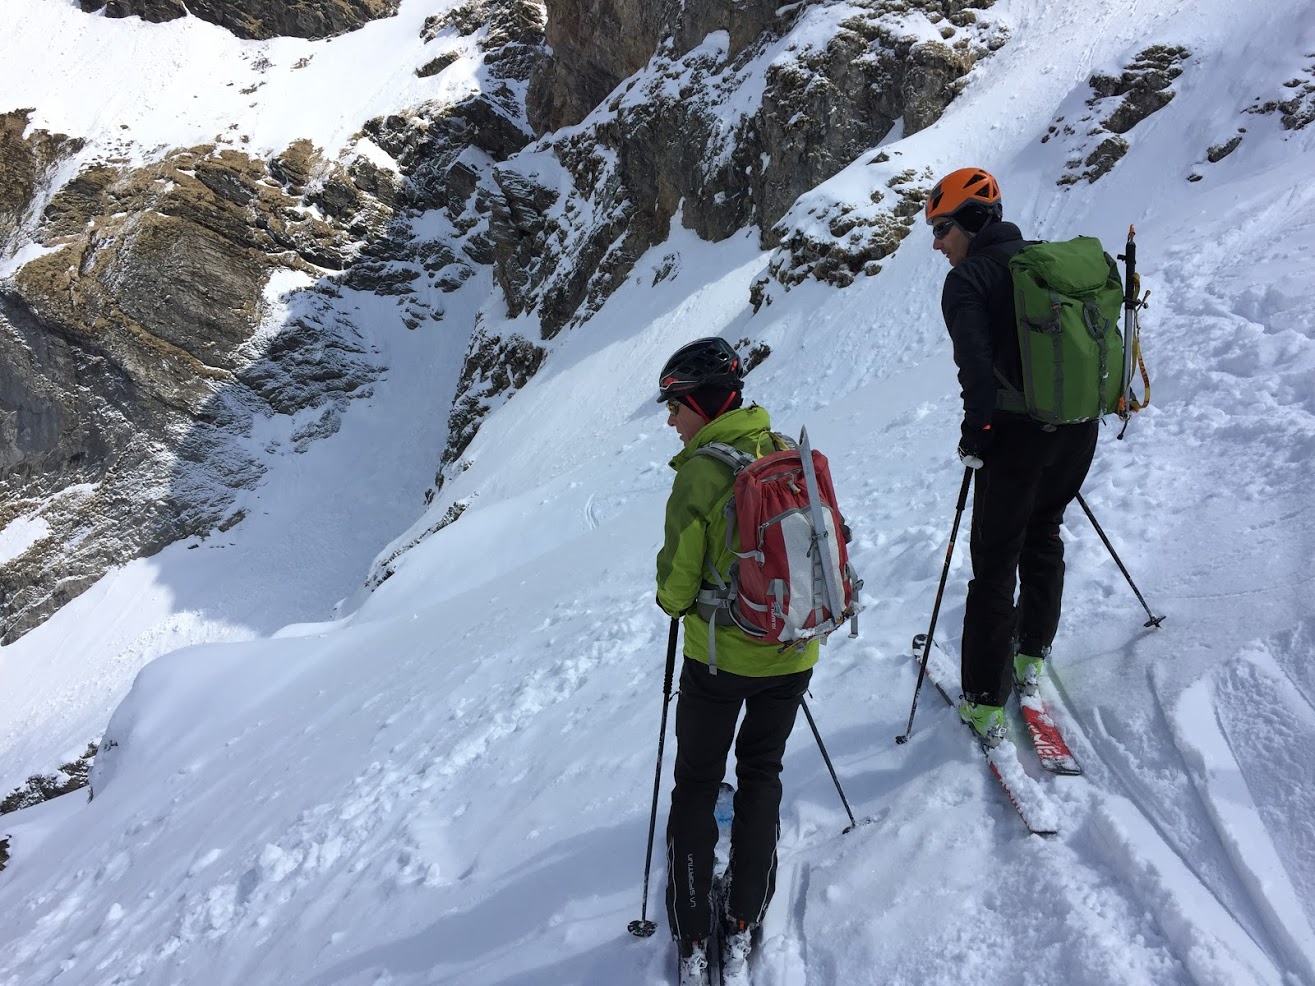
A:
(450, 782)
(20, 534)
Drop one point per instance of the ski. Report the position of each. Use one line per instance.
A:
(1035, 813)
(724, 811)
(725, 814)
(1051, 748)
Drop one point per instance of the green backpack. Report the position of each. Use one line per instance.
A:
(1068, 298)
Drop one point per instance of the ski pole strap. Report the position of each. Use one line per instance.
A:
(1128, 402)
(1137, 355)
(1146, 381)
(1133, 403)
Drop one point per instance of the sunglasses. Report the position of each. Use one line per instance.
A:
(673, 406)
(942, 229)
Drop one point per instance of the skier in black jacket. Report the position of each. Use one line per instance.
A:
(1026, 474)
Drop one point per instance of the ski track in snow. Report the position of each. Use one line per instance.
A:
(451, 784)
(1244, 731)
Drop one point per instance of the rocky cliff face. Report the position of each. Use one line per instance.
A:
(130, 364)
(256, 18)
(769, 101)
(137, 341)
(141, 337)
(27, 162)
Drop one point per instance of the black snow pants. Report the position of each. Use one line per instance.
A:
(1019, 495)
(705, 725)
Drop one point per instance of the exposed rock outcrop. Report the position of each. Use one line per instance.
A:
(768, 101)
(1218, 152)
(494, 369)
(1296, 107)
(834, 240)
(26, 161)
(131, 362)
(135, 352)
(39, 788)
(1295, 110)
(128, 395)
(257, 18)
(595, 46)
(1118, 103)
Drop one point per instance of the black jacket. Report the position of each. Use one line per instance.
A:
(978, 304)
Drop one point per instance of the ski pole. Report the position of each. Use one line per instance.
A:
(643, 928)
(936, 609)
(1153, 621)
(835, 780)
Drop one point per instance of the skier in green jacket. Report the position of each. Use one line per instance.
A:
(701, 385)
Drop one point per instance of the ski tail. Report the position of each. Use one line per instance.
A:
(1052, 750)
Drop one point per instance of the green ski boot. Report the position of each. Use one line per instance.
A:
(988, 721)
(1027, 673)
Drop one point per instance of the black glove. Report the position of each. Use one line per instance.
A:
(974, 443)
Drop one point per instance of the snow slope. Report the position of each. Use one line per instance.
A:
(450, 783)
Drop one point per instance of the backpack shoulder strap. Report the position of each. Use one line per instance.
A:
(1008, 397)
(737, 459)
(726, 453)
(714, 603)
(1002, 254)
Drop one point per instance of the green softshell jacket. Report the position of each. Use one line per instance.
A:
(696, 536)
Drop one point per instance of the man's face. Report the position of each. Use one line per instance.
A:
(953, 242)
(684, 419)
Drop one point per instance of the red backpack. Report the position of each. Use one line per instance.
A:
(792, 580)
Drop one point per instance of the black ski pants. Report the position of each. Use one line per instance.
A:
(1019, 495)
(706, 713)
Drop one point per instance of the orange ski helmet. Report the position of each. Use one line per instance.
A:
(964, 187)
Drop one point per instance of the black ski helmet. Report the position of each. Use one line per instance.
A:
(710, 362)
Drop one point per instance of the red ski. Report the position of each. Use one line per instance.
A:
(1051, 750)
(1022, 791)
